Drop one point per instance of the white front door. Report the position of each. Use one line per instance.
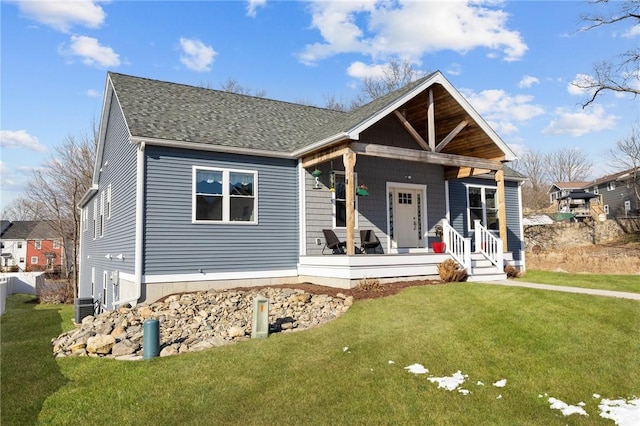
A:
(407, 217)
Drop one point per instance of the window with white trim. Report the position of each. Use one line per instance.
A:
(21, 260)
(34, 260)
(95, 219)
(93, 283)
(85, 218)
(627, 206)
(611, 186)
(56, 244)
(105, 280)
(108, 202)
(101, 222)
(340, 200)
(606, 208)
(224, 195)
(38, 244)
(19, 244)
(596, 190)
(482, 204)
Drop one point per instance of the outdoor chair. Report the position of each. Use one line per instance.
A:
(332, 242)
(369, 243)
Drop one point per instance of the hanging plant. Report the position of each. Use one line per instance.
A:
(362, 190)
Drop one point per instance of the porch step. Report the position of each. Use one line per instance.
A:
(483, 270)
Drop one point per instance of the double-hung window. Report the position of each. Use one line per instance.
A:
(483, 205)
(224, 195)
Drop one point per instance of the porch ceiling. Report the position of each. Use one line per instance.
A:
(471, 141)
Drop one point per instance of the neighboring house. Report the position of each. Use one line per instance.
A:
(560, 190)
(581, 204)
(31, 246)
(618, 192)
(196, 189)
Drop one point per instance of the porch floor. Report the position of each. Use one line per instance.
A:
(344, 271)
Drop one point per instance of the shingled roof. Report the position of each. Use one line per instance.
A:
(181, 113)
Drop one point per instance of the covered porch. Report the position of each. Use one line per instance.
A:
(390, 173)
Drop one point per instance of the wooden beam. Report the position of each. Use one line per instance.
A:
(349, 159)
(463, 172)
(324, 156)
(414, 134)
(452, 134)
(502, 212)
(443, 159)
(431, 122)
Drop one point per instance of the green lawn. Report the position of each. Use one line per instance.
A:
(566, 345)
(628, 283)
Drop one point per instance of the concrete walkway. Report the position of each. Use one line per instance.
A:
(606, 293)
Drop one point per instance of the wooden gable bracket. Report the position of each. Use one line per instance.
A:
(452, 134)
(413, 132)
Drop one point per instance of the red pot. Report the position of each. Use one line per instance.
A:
(438, 246)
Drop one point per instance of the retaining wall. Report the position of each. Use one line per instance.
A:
(571, 234)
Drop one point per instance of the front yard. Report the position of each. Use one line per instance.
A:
(363, 368)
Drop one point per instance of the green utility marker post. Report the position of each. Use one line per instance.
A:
(151, 338)
(260, 323)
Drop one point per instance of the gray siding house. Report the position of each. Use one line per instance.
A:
(619, 192)
(196, 189)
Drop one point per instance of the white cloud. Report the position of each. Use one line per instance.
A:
(582, 80)
(528, 81)
(62, 15)
(454, 69)
(91, 52)
(579, 123)
(20, 139)
(92, 93)
(196, 55)
(502, 110)
(632, 32)
(408, 29)
(253, 5)
(361, 70)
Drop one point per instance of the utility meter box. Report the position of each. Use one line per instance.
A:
(260, 323)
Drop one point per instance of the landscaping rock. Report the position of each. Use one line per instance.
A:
(192, 322)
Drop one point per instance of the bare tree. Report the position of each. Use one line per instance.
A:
(568, 165)
(395, 75)
(532, 164)
(626, 156)
(22, 209)
(232, 85)
(622, 74)
(56, 189)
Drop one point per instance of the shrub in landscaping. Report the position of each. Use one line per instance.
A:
(512, 271)
(450, 271)
(370, 284)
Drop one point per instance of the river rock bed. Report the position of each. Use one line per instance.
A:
(192, 322)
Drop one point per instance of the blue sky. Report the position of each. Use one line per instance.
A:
(513, 60)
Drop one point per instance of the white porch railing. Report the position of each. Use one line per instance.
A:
(488, 244)
(456, 245)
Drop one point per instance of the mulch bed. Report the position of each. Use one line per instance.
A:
(372, 290)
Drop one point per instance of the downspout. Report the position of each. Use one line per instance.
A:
(139, 217)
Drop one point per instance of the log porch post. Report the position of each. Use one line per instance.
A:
(349, 160)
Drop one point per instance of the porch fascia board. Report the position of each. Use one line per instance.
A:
(325, 155)
(443, 159)
(371, 266)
